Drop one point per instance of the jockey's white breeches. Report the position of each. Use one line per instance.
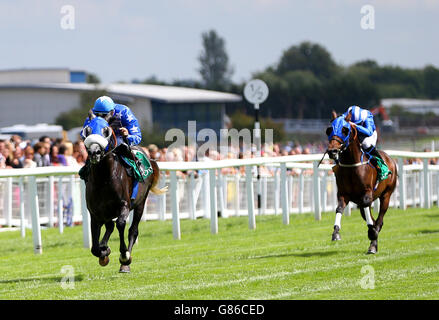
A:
(370, 141)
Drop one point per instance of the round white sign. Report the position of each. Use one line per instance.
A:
(256, 91)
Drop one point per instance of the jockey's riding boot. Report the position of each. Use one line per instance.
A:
(84, 171)
(378, 162)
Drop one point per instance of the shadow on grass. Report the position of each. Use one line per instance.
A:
(40, 279)
(301, 255)
(428, 231)
(433, 216)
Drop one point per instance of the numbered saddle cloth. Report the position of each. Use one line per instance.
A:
(384, 169)
(145, 170)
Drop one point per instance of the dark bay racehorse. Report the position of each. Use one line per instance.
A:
(108, 192)
(356, 177)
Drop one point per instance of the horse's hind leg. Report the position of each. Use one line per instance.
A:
(124, 258)
(378, 225)
(371, 232)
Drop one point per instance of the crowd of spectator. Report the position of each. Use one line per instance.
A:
(18, 153)
(45, 151)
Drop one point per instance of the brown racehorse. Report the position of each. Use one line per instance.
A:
(356, 177)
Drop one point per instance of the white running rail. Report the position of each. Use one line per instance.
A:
(36, 197)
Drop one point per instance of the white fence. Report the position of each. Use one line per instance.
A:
(55, 196)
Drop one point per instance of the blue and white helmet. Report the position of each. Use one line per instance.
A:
(103, 104)
(358, 114)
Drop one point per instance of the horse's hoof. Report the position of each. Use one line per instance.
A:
(124, 269)
(373, 248)
(336, 235)
(104, 261)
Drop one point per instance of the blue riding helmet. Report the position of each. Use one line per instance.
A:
(337, 129)
(103, 104)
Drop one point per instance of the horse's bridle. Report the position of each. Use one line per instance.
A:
(343, 144)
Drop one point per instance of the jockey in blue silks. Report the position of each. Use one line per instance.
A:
(363, 120)
(127, 132)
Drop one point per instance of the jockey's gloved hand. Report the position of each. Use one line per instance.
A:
(124, 132)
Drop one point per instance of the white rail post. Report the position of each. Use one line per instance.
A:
(213, 208)
(22, 201)
(35, 213)
(325, 192)
(237, 194)
(250, 197)
(60, 205)
(348, 209)
(86, 226)
(316, 184)
(437, 189)
(284, 194)
(401, 173)
(206, 194)
(162, 201)
(191, 197)
(224, 187)
(220, 188)
(51, 200)
(301, 191)
(290, 193)
(276, 192)
(427, 203)
(8, 199)
(174, 206)
(264, 194)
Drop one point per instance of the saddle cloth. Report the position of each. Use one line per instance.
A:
(140, 174)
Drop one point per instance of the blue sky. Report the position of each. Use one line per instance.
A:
(124, 40)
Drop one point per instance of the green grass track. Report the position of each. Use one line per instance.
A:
(275, 261)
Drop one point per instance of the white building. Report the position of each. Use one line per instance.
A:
(31, 96)
(412, 105)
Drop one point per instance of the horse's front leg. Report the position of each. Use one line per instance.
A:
(342, 202)
(103, 245)
(125, 258)
(95, 227)
(134, 229)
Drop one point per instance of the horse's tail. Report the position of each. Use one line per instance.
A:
(156, 175)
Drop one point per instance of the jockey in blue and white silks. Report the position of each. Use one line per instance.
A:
(105, 105)
(365, 125)
(125, 124)
(363, 120)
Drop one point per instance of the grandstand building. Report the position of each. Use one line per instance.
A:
(32, 96)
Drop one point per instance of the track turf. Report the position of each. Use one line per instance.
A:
(275, 261)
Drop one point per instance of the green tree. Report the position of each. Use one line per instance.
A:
(431, 82)
(214, 68)
(307, 56)
(241, 120)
